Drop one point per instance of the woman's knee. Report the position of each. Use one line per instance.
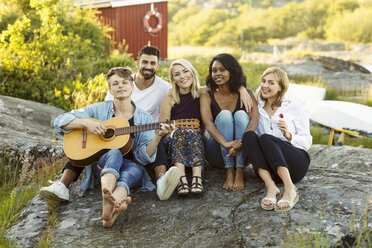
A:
(265, 139)
(249, 136)
(224, 117)
(241, 116)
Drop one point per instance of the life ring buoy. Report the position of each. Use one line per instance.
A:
(146, 21)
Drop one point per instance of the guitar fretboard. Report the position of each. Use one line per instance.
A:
(140, 128)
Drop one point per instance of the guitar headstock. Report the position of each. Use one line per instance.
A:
(187, 123)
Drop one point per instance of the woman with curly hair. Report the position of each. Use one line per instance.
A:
(225, 119)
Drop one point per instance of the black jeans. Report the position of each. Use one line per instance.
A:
(267, 152)
(161, 155)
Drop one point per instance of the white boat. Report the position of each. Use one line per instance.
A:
(305, 93)
(342, 115)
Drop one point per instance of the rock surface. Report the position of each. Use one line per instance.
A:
(333, 197)
(27, 128)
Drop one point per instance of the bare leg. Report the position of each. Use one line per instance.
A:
(239, 179)
(272, 189)
(289, 188)
(181, 167)
(160, 171)
(68, 176)
(121, 204)
(108, 182)
(229, 182)
(196, 171)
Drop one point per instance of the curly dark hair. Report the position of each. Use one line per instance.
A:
(237, 77)
(149, 50)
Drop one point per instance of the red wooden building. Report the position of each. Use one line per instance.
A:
(137, 22)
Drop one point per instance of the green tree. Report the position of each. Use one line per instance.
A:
(352, 27)
(41, 56)
(285, 21)
(315, 18)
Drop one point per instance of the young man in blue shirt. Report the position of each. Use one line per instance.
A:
(117, 174)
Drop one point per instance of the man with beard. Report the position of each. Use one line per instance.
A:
(148, 93)
(149, 89)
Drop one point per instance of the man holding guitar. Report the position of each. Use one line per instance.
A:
(117, 174)
(148, 93)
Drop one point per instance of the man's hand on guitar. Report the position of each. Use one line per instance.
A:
(95, 127)
(165, 129)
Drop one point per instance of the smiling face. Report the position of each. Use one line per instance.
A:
(270, 87)
(147, 66)
(183, 78)
(120, 88)
(220, 74)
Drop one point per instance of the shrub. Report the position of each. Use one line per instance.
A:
(353, 27)
(42, 53)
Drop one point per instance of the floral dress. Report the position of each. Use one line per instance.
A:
(186, 146)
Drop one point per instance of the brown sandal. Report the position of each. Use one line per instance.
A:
(183, 187)
(197, 185)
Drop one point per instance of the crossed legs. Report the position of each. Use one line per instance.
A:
(114, 199)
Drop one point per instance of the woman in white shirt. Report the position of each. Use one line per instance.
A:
(278, 148)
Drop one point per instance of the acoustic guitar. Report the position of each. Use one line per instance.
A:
(84, 148)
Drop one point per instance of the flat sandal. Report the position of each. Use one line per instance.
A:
(197, 185)
(182, 187)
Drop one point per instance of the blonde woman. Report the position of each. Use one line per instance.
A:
(186, 147)
(278, 149)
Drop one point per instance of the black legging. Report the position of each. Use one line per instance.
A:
(76, 169)
(161, 155)
(267, 152)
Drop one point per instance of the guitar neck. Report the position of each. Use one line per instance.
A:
(140, 128)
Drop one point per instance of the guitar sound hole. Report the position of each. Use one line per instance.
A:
(109, 134)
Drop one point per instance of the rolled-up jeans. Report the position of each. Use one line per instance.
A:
(128, 173)
(232, 127)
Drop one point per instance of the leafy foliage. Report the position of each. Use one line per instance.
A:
(353, 26)
(245, 24)
(48, 47)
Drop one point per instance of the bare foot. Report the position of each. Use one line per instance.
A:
(229, 182)
(108, 204)
(290, 194)
(239, 179)
(119, 207)
(272, 192)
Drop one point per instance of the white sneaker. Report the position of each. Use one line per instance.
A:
(57, 191)
(167, 183)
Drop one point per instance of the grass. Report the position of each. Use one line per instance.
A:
(21, 181)
(357, 237)
(47, 237)
(321, 135)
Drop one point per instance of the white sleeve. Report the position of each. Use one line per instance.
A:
(109, 96)
(301, 137)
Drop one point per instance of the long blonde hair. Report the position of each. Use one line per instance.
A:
(195, 87)
(283, 81)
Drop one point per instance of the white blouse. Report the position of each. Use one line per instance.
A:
(296, 118)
